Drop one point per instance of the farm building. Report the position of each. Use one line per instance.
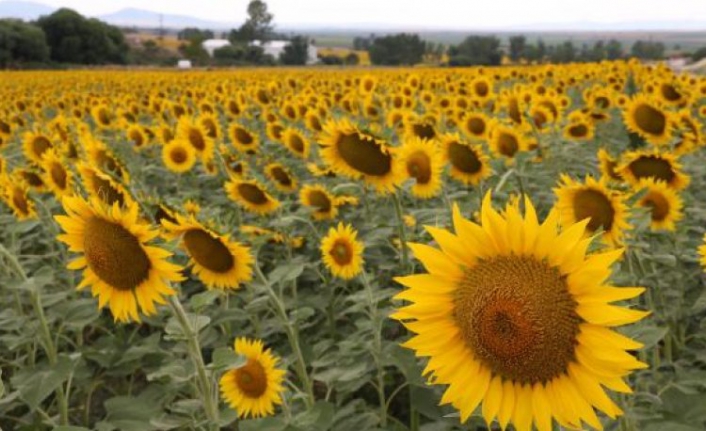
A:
(275, 48)
(211, 45)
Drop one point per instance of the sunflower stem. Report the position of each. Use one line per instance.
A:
(204, 383)
(47, 339)
(402, 231)
(377, 347)
(292, 337)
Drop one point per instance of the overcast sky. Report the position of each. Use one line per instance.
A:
(451, 14)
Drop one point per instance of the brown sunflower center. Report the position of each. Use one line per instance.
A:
(481, 89)
(578, 131)
(196, 139)
(208, 251)
(114, 254)
(32, 178)
(251, 379)
(419, 167)
(103, 116)
(652, 167)
(281, 176)
(658, 204)
(296, 143)
(252, 194)
(243, 136)
(650, 120)
(670, 93)
(364, 155)
(40, 144)
(19, 199)
(320, 200)
(476, 126)
(518, 317)
(341, 252)
(137, 138)
(507, 144)
(210, 126)
(596, 206)
(424, 131)
(464, 159)
(58, 175)
(178, 155)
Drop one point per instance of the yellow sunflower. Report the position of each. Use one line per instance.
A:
(608, 166)
(579, 130)
(593, 200)
(15, 193)
(35, 144)
(317, 197)
(255, 388)
(295, 142)
(251, 195)
(664, 204)
(356, 154)
(103, 116)
(194, 133)
(476, 125)
(515, 315)
(56, 176)
(179, 156)
(123, 270)
(342, 252)
(217, 261)
(702, 253)
(137, 136)
(506, 141)
(638, 165)
(33, 178)
(423, 162)
(281, 177)
(469, 164)
(649, 119)
(243, 139)
(101, 185)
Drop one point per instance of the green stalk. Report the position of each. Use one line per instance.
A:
(401, 230)
(204, 382)
(47, 340)
(377, 348)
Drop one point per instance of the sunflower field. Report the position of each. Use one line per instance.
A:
(353, 249)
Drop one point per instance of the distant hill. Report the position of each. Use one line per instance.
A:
(25, 10)
(144, 18)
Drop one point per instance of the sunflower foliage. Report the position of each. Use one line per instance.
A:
(487, 248)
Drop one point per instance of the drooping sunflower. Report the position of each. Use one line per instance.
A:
(469, 164)
(664, 204)
(32, 177)
(318, 198)
(356, 154)
(243, 139)
(251, 195)
(281, 177)
(101, 185)
(15, 193)
(296, 142)
(255, 388)
(35, 144)
(217, 261)
(608, 166)
(423, 162)
(195, 134)
(123, 270)
(57, 177)
(649, 119)
(515, 315)
(638, 165)
(179, 156)
(342, 252)
(605, 210)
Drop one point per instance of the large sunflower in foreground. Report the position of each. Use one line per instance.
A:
(123, 270)
(342, 252)
(217, 261)
(664, 204)
(255, 388)
(359, 155)
(251, 195)
(593, 200)
(639, 165)
(423, 162)
(515, 315)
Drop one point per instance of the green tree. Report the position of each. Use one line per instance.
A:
(518, 46)
(398, 49)
(75, 39)
(476, 51)
(258, 26)
(563, 53)
(614, 50)
(191, 33)
(296, 52)
(21, 43)
(648, 50)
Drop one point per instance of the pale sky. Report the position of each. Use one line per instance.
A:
(437, 14)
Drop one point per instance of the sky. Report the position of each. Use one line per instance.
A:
(432, 14)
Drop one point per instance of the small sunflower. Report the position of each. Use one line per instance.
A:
(580, 130)
(56, 176)
(103, 116)
(123, 270)
(32, 177)
(469, 164)
(251, 195)
(649, 119)
(605, 210)
(342, 252)
(136, 134)
(506, 141)
(638, 165)
(423, 162)
(179, 156)
(359, 155)
(295, 142)
(195, 134)
(515, 315)
(318, 198)
(664, 204)
(15, 193)
(35, 144)
(217, 261)
(476, 125)
(243, 139)
(608, 166)
(281, 177)
(255, 388)
(101, 185)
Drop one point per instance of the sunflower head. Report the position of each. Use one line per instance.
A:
(243, 139)
(280, 176)
(251, 195)
(661, 166)
(56, 176)
(664, 204)
(320, 200)
(103, 186)
(468, 163)
(254, 388)
(516, 313)
(35, 144)
(341, 252)
(14, 191)
(423, 162)
(179, 156)
(296, 142)
(649, 119)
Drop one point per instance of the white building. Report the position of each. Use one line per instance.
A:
(211, 45)
(275, 48)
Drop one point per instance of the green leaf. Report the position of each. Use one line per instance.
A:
(174, 330)
(225, 358)
(71, 428)
(266, 424)
(649, 335)
(319, 417)
(37, 384)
